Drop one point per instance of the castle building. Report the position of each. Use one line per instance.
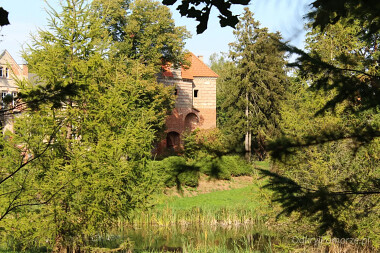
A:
(10, 71)
(195, 90)
(195, 107)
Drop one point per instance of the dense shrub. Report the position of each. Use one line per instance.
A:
(236, 165)
(176, 171)
(223, 167)
(207, 148)
(189, 178)
(209, 141)
(210, 166)
(204, 152)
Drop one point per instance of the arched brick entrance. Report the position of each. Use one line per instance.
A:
(191, 121)
(173, 140)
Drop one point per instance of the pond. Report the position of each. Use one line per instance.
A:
(189, 238)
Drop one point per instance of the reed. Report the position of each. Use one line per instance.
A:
(224, 208)
(202, 216)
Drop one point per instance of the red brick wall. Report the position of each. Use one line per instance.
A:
(203, 106)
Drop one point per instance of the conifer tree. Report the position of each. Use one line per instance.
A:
(223, 67)
(83, 152)
(327, 159)
(256, 85)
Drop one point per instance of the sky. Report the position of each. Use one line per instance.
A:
(286, 16)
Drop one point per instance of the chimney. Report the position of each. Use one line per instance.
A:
(25, 69)
(200, 57)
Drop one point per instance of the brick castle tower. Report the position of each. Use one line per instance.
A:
(195, 107)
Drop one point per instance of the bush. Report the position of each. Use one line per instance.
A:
(175, 171)
(189, 178)
(236, 165)
(207, 148)
(223, 167)
(210, 141)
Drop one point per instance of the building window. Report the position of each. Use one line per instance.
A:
(1, 71)
(3, 95)
(7, 72)
(195, 93)
(14, 95)
(176, 92)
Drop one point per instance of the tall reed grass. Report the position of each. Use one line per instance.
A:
(196, 215)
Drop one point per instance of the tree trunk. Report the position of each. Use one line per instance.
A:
(248, 134)
(58, 246)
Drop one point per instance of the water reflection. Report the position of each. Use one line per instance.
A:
(176, 238)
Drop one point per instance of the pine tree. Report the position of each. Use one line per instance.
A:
(327, 159)
(84, 152)
(255, 86)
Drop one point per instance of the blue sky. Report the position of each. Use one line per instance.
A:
(26, 16)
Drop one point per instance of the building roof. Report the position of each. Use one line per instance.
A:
(6, 58)
(197, 69)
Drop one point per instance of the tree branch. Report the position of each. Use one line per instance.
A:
(52, 136)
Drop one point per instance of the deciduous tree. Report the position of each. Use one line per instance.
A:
(143, 30)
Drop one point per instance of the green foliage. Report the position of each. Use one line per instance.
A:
(206, 149)
(8, 99)
(210, 141)
(236, 165)
(143, 30)
(326, 13)
(251, 88)
(210, 166)
(224, 167)
(324, 170)
(90, 179)
(202, 153)
(176, 171)
(78, 159)
(347, 65)
(224, 68)
(66, 60)
(327, 161)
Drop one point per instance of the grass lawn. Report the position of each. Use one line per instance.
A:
(248, 204)
(242, 197)
(251, 196)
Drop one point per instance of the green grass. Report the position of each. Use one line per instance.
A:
(243, 197)
(262, 164)
(252, 196)
(248, 205)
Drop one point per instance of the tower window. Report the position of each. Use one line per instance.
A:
(195, 93)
